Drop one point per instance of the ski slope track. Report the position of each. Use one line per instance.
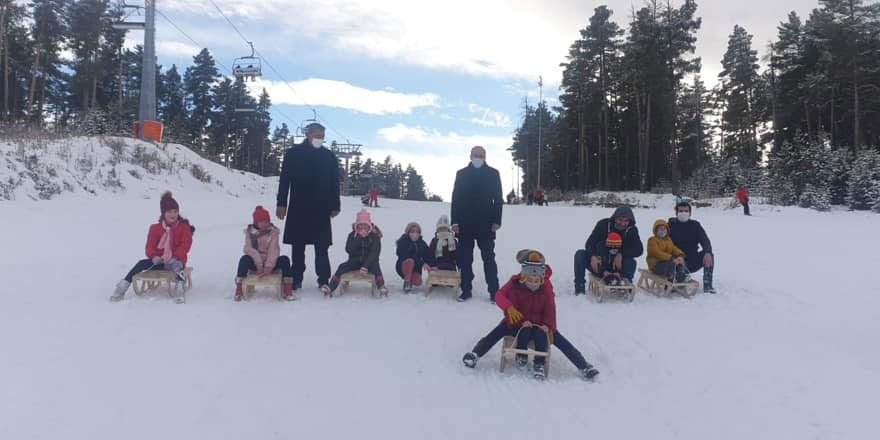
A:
(788, 348)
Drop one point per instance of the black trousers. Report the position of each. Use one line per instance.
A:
(246, 263)
(502, 330)
(746, 208)
(322, 263)
(466, 262)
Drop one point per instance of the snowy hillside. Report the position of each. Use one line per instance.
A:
(44, 168)
(786, 350)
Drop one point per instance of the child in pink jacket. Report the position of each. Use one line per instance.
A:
(262, 254)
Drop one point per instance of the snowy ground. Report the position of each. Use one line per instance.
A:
(786, 350)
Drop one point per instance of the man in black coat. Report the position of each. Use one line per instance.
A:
(476, 217)
(310, 175)
(689, 236)
(623, 221)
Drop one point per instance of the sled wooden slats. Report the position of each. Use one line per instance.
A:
(357, 277)
(601, 290)
(150, 280)
(508, 348)
(250, 283)
(660, 286)
(443, 278)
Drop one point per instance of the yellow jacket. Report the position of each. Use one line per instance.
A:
(661, 249)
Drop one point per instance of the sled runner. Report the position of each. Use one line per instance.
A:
(357, 277)
(250, 283)
(600, 289)
(508, 348)
(150, 280)
(443, 278)
(660, 286)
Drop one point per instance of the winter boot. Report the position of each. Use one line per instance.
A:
(580, 289)
(707, 280)
(539, 371)
(287, 290)
(521, 361)
(239, 293)
(119, 292)
(589, 372)
(470, 359)
(179, 292)
(328, 292)
(383, 291)
(465, 295)
(492, 297)
(407, 287)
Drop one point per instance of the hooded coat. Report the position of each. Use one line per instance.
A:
(632, 243)
(661, 249)
(538, 307)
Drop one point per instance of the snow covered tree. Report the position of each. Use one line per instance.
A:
(739, 84)
(415, 185)
(864, 181)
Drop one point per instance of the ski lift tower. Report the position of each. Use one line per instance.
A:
(147, 109)
(345, 151)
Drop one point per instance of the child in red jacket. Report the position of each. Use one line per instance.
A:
(262, 255)
(168, 243)
(529, 309)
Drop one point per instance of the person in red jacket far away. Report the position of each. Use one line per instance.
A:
(168, 243)
(374, 197)
(743, 196)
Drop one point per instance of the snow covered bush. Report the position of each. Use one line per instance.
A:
(864, 181)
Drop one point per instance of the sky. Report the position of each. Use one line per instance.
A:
(422, 81)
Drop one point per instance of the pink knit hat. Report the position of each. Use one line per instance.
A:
(363, 218)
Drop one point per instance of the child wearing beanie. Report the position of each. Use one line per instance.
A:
(168, 243)
(444, 246)
(262, 254)
(607, 252)
(364, 244)
(413, 254)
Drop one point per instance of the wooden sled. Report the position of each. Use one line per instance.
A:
(150, 280)
(601, 290)
(357, 277)
(443, 278)
(658, 285)
(250, 283)
(508, 349)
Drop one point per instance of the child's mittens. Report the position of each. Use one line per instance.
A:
(364, 271)
(157, 261)
(174, 265)
(514, 315)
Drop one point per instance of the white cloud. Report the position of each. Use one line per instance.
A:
(177, 49)
(330, 93)
(438, 155)
(489, 117)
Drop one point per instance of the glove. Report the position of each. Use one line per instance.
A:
(364, 271)
(174, 265)
(157, 261)
(514, 315)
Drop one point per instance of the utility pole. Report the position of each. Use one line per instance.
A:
(148, 74)
(540, 122)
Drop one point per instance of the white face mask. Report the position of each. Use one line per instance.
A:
(532, 286)
(317, 143)
(662, 233)
(478, 163)
(683, 216)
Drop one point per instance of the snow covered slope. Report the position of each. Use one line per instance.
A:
(786, 350)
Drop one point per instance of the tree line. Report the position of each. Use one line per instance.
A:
(63, 66)
(635, 114)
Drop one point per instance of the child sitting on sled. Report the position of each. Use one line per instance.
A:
(363, 246)
(168, 243)
(664, 257)
(262, 254)
(413, 255)
(529, 309)
(444, 246)
(605, 269)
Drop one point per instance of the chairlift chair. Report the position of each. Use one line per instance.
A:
(248, 67)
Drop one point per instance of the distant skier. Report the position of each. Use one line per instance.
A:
(529, 307)
(262, 254)
(743, 196)
(689, 236)
(168, 243)
(374, 197)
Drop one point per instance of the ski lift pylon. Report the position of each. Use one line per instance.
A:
(248, 67)
(126, 25)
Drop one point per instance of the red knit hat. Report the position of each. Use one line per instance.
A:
(261, 215)
(614, 240)
(168, 203)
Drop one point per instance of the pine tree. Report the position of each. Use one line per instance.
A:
(739, 79)
(415, 185)
(47, 30)
(197, 83)
(864, 181)
(172, 106)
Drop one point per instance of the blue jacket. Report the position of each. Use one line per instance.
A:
(632, 243)
(689, 236)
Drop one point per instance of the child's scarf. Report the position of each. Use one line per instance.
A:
(165, 243)
(444, 239)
